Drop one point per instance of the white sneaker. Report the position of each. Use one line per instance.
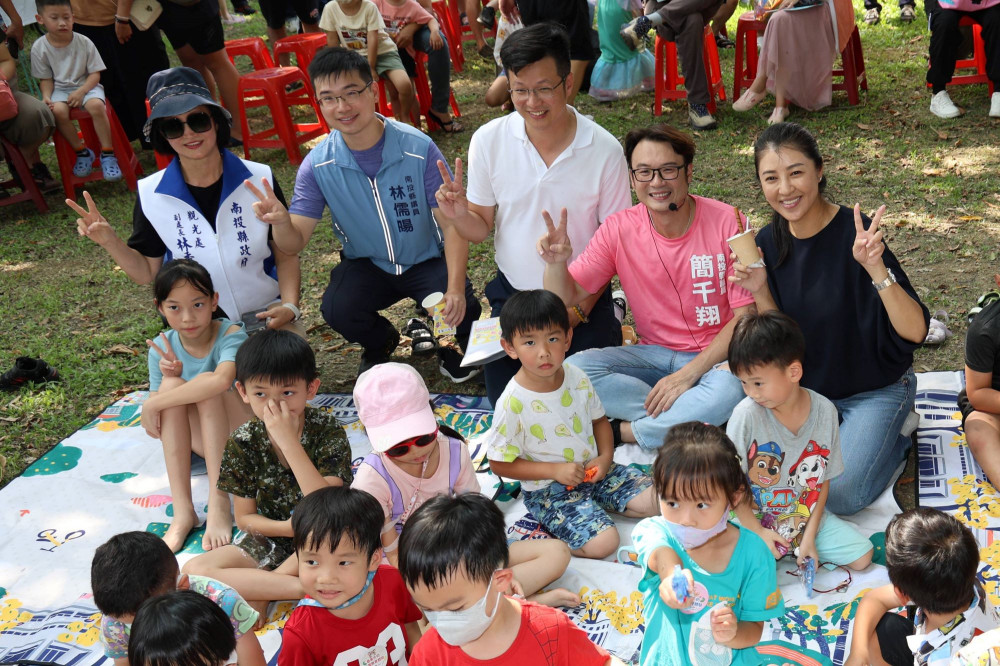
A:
(943, 107)
(995, 105)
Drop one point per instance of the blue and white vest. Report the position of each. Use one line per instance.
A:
(237, 255)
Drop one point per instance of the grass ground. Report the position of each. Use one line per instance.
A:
(62, 298)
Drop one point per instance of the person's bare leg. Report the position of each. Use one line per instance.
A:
(404, 87)
(497, 94)
(579, 69)
(862, 562)
(472, 10)
(214, 426)
(982, 433)
(232, 566)
(273, 35)
(628, 437)
(102, 126)
(175, 435)
(190, 58)
(227, 78)
(66, 126)
(723, 14)
(643, 505)
(602, 545)
(537, 563)
(224, 12)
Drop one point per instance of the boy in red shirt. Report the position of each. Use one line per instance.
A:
(356, 611)
(453, 557)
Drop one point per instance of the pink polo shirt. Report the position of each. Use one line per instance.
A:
(676, 287)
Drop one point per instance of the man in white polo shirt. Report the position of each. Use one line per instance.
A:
(545, 157)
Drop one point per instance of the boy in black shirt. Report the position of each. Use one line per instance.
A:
(980, 401)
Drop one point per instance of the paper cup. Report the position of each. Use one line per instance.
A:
(745, 249)
(434, 304)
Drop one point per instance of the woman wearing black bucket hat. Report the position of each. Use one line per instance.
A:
(198, 208)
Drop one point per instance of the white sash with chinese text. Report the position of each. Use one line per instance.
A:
(234, 255)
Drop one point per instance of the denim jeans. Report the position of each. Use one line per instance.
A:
(438, 68)
(624, 376)
(870, 443)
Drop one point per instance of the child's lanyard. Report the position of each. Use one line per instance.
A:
(413, 499)
(309, 601)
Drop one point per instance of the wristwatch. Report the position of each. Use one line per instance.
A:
(888, 282)
(296, 313)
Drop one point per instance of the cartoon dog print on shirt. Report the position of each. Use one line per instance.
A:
(764, 470)
(808, 471)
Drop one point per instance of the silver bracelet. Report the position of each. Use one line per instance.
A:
(887, 282)
(296, 313)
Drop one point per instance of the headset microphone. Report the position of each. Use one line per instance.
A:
(673, 207)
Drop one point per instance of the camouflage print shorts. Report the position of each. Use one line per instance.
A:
(577, 516)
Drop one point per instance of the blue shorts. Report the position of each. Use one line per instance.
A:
(839, 542)
(577, 516)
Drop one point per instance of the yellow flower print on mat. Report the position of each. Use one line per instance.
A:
(624, 613)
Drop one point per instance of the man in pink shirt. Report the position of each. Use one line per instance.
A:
(671, 255)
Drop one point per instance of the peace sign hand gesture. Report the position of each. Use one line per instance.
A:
(555, 246)
(91, 223)
(868, 246)
(451, 200)
(268, 208)
(170, 366)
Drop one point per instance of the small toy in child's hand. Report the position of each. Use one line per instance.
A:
(768, 522)
(679, 584)
(588, 476)
(807, 575)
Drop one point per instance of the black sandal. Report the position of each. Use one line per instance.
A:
(423, 340)
(452, 126)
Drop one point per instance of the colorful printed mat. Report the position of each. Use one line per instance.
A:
(109, 478)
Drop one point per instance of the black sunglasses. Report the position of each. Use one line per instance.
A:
(173, 128)
(403, 447)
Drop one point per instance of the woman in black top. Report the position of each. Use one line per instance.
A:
(828, 268)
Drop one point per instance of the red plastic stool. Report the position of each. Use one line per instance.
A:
(669, 84)
(852, 68)
(464, 31)
(745, 63)
(452, 33)
(127, 160)
(976, 62)
(268, 85)
(19, 167)
(421, 85)
(250, 47)
(304, 47)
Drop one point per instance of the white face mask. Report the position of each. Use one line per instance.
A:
(463, 626)
(692, 537)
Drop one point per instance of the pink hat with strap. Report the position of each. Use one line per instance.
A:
(393, 405)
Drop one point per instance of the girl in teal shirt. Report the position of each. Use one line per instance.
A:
(726, 588)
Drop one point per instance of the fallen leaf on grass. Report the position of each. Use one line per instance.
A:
(941, 135)
(932, 172)
(121, 350)
(864, 127)
(970, 218)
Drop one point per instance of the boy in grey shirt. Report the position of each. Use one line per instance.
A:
(69, 68)
(789, 441)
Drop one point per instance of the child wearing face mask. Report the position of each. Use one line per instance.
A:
(356, 610)
(708, 585)
(415, 458)
(453, 558)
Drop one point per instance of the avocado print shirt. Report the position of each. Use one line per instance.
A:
(546, 427)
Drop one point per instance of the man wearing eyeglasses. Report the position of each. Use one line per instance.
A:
(378, 177)
(671, 255)
(544, 157)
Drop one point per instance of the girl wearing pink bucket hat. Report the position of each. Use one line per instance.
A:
(416, 458)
